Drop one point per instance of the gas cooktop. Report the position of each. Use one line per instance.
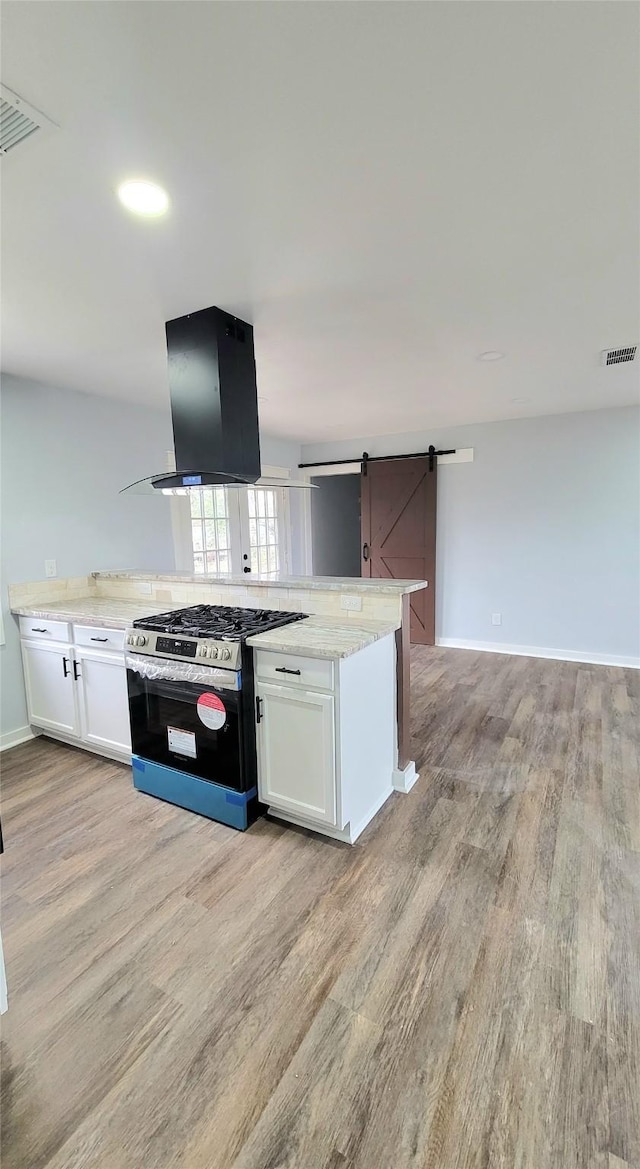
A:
(219, 621)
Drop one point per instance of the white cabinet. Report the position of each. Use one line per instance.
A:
(296, 752)
(77, 692)
(326, 736)
(103, 700)
(50, 686)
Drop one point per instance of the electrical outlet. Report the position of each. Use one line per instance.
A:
(143, 587)
(496, 618)
(352, 603)
(50, 568)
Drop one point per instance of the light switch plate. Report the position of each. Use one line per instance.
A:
(50, 568)
(143, 587)
(496, 618)
(352, 603)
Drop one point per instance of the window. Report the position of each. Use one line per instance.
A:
(233, 530)
(211, 530)
(264, 530)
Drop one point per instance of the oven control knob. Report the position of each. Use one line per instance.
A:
(141, 639)
(201, 651)
(225, 654)
(213, 652)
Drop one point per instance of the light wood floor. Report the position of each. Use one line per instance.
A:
(461, 989)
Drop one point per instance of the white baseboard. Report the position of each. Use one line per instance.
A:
(404, 778)
(356, 830)
(537, 651)
(343, 834)
(102, 752)
(14, 738)
(348, 835)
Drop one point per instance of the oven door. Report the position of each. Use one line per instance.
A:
(188, 717)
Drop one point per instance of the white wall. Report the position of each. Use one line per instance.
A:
(64, 458)
(543, 527)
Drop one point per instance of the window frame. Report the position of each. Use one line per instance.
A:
(238, 511)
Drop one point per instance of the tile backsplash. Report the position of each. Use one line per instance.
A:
(66, 589)
(165, 591)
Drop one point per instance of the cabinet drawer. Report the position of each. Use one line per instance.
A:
(98, 638)
(291, 670)
(38, 628)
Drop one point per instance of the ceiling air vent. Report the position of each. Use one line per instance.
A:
(617, 356)
(19, 121)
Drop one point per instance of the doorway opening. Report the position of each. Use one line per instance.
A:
(336, 525)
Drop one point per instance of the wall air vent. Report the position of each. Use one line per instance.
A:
(618, 356)
(19, 122)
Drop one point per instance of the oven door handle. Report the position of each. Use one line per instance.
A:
(154, 669)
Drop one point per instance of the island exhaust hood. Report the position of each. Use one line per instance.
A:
(214, 406)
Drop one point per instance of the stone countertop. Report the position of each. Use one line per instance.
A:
(322, 637)
(101, 611)
(316, 637)
(338, 584)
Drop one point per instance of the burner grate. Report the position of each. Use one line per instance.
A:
(227, 622)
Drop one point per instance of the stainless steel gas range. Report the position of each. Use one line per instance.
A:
(192, 709)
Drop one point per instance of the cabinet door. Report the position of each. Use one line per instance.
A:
(104, 703)
(296, 752)
(50, 688)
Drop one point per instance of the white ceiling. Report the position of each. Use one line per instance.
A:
(384, 189)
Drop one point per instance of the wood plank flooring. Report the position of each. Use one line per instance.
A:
(460, 990)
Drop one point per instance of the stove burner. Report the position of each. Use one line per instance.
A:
(226, 622)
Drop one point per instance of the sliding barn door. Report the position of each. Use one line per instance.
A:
(399, 532)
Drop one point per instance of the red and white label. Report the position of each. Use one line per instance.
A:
(212, 711)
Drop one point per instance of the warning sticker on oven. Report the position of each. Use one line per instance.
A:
(182, 742)
(212, 711)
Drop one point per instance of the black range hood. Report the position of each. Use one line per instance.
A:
(214, 406)
(214, 403)
(214, 398)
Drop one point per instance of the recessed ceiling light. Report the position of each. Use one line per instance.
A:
(519, 401)
(491, 355)
(143, 197)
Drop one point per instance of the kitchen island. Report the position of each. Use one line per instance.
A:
(353, 650)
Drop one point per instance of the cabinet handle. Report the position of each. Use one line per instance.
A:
(258, 710)
(75, 671)
(98, 639)
(365, 551)
(35, 630)
(286, 670)
(246, 569)
(65, 663)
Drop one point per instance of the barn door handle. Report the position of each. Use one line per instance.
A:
(365, 551)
